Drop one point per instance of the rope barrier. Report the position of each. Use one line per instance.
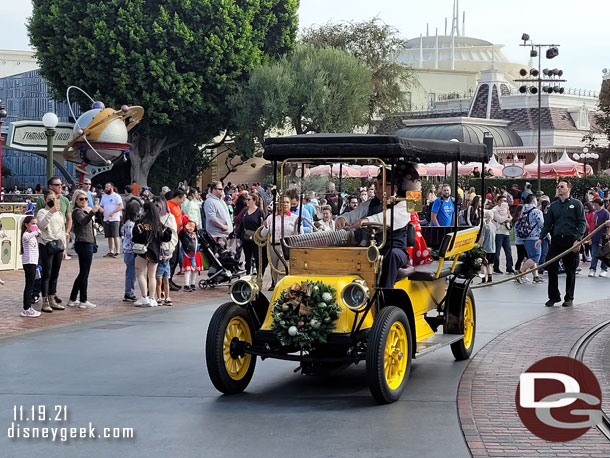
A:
(546, 263)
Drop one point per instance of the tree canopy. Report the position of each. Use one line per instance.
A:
(378, 46)
(601, 129)
(309, 90)
(180, 59)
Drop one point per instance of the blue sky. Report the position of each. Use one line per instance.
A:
(577, 26)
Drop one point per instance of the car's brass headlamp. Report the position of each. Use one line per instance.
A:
(244, 290)
(355, 295)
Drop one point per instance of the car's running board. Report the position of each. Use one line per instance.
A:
(436, 342)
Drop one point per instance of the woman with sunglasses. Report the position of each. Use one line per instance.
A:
(84, 242)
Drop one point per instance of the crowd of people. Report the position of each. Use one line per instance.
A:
(541, 227)
(157, 236)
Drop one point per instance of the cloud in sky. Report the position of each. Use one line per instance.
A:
(579, 27)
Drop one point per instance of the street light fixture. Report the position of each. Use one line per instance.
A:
(50, 120)
(584, 156)
(535, 77)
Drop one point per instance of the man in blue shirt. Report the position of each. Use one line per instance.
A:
(305, 215)
(443, 208)
(87, 189)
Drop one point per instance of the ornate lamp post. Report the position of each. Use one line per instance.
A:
(584, 156)
(2, 116)
(49, 120)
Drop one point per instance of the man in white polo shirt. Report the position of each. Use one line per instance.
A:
(112, 204)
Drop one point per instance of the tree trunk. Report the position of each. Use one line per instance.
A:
(146, 150)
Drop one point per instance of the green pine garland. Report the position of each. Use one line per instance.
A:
(472, 261)
(305, 314)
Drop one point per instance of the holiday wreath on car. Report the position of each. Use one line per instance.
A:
(305, 314)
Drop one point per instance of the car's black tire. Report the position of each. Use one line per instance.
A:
(386, 370)
(229, 375)
(462, 349)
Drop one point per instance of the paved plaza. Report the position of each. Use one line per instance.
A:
(120, 366)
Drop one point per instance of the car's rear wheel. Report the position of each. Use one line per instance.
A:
(388, 357)
(230, 369)
(462, 349)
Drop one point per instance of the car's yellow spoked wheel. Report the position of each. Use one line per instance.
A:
(388, 354)
(468, 322)
(236, 367)
(463, 348)
(395, 358)
(229, 366)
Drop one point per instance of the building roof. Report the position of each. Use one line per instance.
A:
(464, 132)
(444, 41)
(551, 118)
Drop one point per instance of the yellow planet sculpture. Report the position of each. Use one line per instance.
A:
(101, 134)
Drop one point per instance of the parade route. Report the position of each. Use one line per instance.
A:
(145, 369)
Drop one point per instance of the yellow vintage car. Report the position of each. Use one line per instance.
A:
(429, 306)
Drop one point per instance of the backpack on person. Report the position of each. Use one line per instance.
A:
(462, 217)
(523, 228)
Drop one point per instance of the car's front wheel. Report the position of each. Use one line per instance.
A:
(388, 357)
(230, 369)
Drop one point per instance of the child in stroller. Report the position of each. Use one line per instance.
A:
(223, 266)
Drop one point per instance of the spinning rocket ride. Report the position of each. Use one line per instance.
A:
(100, 135)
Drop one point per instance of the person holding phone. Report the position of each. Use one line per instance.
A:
(51, 246)
(65, 208)
(84, 241)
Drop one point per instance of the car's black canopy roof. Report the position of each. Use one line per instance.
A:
(385, 147)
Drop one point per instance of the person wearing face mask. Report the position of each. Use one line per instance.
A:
(51, 246)
(29, 255)
(112, 204)
(502, 219)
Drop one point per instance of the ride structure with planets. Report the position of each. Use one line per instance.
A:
(100, 136)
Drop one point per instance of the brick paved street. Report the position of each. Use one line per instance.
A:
(106, 284)
(486, 395)
(597, 358)
(104, 378)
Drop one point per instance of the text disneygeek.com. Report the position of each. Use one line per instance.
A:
(33, 422)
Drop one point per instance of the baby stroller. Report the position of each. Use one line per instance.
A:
(223, 266)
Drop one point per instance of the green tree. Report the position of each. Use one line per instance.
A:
(180, 59)
(309, 90)
(601, 129)
(378, 46)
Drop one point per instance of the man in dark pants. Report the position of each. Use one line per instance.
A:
(395, 254)
(565, 221)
